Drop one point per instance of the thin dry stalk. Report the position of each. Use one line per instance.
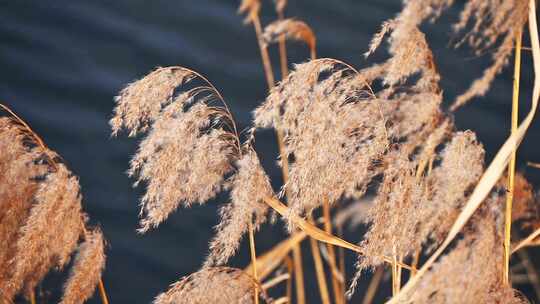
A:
(336, 287)
(373, 286)
(512, 164)
(319, 270)
(527, 241)
(253, 259)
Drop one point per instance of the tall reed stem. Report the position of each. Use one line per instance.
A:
(338, 296)
(270, 80)
(102, 292)
(319, 268)
(512, 164)
(253, 259)
(283, 52)
(373, 286)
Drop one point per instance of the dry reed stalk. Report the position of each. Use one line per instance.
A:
(527, 241)
(512, 164)
(290, 271)
(336, 287)
(253, 260)
(270, 260)
(373, 286)
(496, 168)
(319, 271)
(253, 7)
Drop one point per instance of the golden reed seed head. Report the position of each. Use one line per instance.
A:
(290, 28)
(140, 102)
(41, 214)
(212, 285)
(471, 271)
(87, 268)
(191, 141)
(317, 106)
(50, 233)
(249, 187)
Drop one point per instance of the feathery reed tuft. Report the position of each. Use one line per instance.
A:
(192, 141)
(211, 285)
(87, 268)
(41, 215)
(250, 186)
(470, 272)
(330, 159)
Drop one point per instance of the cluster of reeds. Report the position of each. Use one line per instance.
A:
(436, 215)
(371, 146)
(42, 225)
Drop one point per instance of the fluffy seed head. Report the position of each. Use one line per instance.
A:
(250, 186)
(87, 269)
(211, 285)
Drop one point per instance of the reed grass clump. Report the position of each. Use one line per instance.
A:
(42, 221)
(377, 134)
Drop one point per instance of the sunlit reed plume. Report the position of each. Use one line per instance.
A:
(211, 285)
(86, 272)
(41, 215)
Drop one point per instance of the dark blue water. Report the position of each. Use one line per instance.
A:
(61, 63)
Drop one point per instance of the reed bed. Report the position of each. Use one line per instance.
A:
(371, 147)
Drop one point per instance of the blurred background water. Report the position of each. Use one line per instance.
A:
(62, 62)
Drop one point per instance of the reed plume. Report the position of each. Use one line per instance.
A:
(470, 272)
(330, 159)
(191, 141)
(249, 186)
(487, 24)
(212, 285)
(86, 272)
(41, 218)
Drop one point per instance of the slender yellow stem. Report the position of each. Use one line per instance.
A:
(253, 259)
(341, 252)
(264, 53)
(395, 283)
(319, 269)
(33, 297)
(373, 286)
(338, 296)
(102, 292)
(283, 52)
(290, 270)
(525, 242)
(299, 275)
(512, 164)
